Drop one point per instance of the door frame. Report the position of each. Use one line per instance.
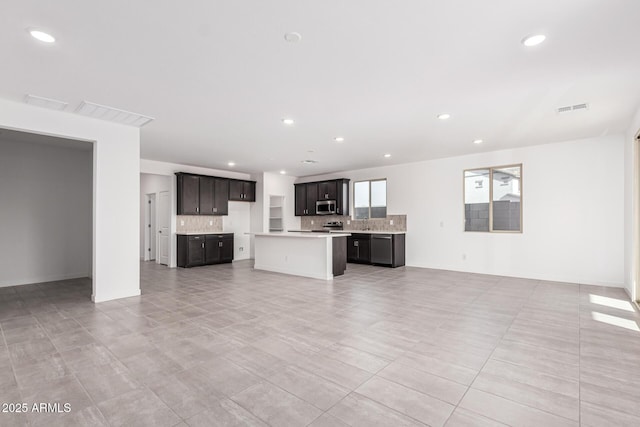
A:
(635, 226)
(150, 228)
(159, 228)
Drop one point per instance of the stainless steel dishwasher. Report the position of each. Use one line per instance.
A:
(381, 249)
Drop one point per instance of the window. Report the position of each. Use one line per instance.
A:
(493, 199)
(370, 199)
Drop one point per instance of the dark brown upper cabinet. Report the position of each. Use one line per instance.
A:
(188, 194)
(242, 191)
(307, 194)
(306, 198)
(202, 195)
(328, 190)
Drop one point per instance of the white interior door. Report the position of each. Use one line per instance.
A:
(164, 217)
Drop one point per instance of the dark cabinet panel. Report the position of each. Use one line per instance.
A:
(210, 195)
(188, 195)
(307, 194)
(301, 199)
(221, 196)
(242, 191)
(306, 198)
(312, 198)
(206, 195)
(328, 190)
(226, 249)
(212, 251)
(236, 189)
(358, 248)
(204, 249)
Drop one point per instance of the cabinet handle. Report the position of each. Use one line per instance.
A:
(203, 245)
(197, 209)
(219, 244)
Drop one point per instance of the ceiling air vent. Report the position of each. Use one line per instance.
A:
(111, 114)
(40, 101)
(571, 108)
(309, 162)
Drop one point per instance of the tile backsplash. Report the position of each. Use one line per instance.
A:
(198, 223)
(374, 224)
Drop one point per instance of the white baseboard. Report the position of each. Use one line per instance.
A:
(44, 279)
(111, 297)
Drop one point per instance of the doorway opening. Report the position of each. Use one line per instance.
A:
(155, 218)
(47, 209)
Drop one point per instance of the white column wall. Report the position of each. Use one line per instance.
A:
(116, 190)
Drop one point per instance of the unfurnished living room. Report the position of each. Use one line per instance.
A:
(336, 213)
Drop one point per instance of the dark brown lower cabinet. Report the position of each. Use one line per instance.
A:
(358, 248)
(378, 249)
(204, 249)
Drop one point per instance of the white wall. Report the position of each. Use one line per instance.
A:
(150, 184)
(281, 185)
(45, 205)
(572, 235)
(238, 220)
(272, 184)
(116, 190)
(631, 212)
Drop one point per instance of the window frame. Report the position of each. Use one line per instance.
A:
(386, 199)
(490, 169)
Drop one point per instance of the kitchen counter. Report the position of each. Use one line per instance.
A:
(316, 255)
(351, 232)
(306, 234)
(200, 233)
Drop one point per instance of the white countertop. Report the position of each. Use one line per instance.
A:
(304, 234)
(198, 233)
(355, 231)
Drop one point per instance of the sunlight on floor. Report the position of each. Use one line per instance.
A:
(615, 321)
(611, 302)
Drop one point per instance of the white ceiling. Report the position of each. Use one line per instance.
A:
(219, 77)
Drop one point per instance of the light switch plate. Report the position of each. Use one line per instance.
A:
(390, 222)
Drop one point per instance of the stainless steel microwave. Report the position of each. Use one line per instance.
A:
(325, 207)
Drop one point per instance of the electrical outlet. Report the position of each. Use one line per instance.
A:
(348, 222)
(464, 257)
(441, 223)
(182, 222)
(390, 222)
(240, 249)
(211, 222)
(311, 222)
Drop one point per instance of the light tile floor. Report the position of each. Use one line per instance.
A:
(228, 346)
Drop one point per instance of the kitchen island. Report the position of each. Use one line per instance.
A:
(316, 255)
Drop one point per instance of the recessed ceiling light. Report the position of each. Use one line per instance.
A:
(42, 36)
(283, 172)
(534, 40)
(478, 141)
(293, 37)
(287, 121)
(339, 139)
(231, 163)
(387, 155)
(444, 116)
(309, 162)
